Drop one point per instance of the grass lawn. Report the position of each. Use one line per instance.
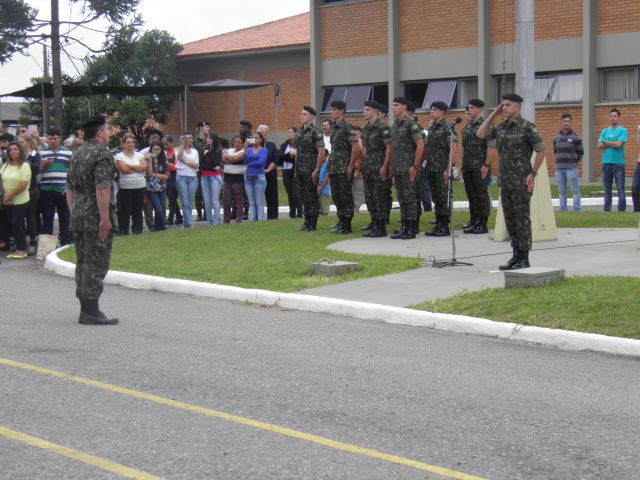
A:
(605, 305)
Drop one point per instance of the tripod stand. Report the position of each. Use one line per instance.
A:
(453, 262)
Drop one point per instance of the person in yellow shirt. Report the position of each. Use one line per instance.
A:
(16, 178)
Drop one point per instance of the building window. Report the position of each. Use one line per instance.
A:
(619, 84)
(549, 87)
(455, 93)
(355, 96)
(503, 84)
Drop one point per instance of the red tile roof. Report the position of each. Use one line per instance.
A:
(286, 32)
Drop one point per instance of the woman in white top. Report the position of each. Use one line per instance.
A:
(187, 161)
(132, 166)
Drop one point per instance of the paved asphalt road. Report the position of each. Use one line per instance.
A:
(467, 404)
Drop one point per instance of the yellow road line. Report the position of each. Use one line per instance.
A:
(99, 462)
(307, 437)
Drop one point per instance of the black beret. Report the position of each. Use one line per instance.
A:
(202, 123)
(95, 121)
(411, 107)
(309, 109)
(514, 97)
(372, 104)
(476, 102)
(440, 106)
(383, 109)
(401, 100)
(246, 123)
(339, 104)
(7, 136)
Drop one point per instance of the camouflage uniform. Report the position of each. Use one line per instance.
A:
(342, 135)
(91, 167)
(438, 148)
(375, 138)
(405, 133)
(308, 142)
(474, 158)
(516, 141)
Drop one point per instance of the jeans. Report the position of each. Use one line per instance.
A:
(52, 201)
(211, 187)
(571, 174)
(157, 202)
(255, 186)
(611, 172)
(635, 188)
(187, 187)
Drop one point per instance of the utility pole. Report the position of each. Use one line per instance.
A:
(525, 57)
(45, 100)
(56, 66)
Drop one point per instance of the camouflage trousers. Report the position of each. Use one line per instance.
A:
(389, 199)
(516, 206)
(376, 192)
(309, 194)
(407, 193)
(439, 193)
(92, 264)
(342, 194)
(477, 193)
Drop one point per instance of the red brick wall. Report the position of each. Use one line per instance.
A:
(618, 17)
(629, 118)
(353, 30)
(438, 26)
(503, 21)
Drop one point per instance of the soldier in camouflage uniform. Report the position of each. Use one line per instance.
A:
(438, 149)
(89, 195)
(516, 140)
(405, 166)
(422, 192)
(376, 137)
(342, 159)
(309, 159)
(383, 116)
(476, 164)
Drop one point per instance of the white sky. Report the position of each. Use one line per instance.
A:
(186, 21)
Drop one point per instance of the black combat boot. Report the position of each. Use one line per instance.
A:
(305, 226)
(443, 229)
(369, 226)
(90, 314)
(372, 230)
(346, 226)
(313, 224)
(523, 260)
(432, 232)
(380, 230)
(481, 226)
(398, 233)
(410, 232)
(511, 262)
(339, 226)
(471, 225)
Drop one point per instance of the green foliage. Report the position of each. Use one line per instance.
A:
(17, 21)
(113, 10)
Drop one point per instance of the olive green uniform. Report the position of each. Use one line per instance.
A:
(375, 138)
(309, 140)
(474, 157)
(342, 135)
(405, 132)
(438, 148)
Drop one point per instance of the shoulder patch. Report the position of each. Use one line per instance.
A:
(415, 127)
(534, 129)
(386, 131)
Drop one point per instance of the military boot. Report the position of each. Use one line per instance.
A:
(511, 262)
(432, 232)
(471, 225)
(410, 232)
(90, 314)
(523, 260)
(338, 226)
(346, 226)
(443, 229)
(398, 233)
(374, 228)
(368, 227)
(380, 230)
(313, 224)
(305, 226)
(481, 226)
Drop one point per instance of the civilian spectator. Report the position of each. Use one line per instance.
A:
(233, 182)
(15, 175)
(635, 186)
(358, 182)
(288, 154)
(172, 190)
(255, 158)
(611, 142)
(211, 180)
(270, 174)
(30, 146)
(567, 146)
(147, 208)
(187, 165)
(157, 176)
(53, 171)
(324, 189)
(326, 134)
(132, 167)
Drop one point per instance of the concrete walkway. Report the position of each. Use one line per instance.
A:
(597, 251)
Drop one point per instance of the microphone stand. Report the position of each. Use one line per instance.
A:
(453, 262)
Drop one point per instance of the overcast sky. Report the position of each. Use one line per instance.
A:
(181, 19)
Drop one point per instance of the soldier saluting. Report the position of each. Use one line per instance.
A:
(516, 139)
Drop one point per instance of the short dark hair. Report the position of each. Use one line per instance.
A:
(566, 115)
(616, 111)
(53, 132)
(328, 120)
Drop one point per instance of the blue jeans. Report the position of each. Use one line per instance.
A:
(211, 187)
(562, 175)
(635, 188)
(187, 187)
(255, 186)
(611, 172)
(157, 202)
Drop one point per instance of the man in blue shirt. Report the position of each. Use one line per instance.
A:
(611, 142)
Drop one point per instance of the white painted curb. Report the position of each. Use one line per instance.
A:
(563, 339)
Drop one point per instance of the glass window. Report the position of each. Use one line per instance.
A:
(440, 91)
(569, 88)
(619, 84)
(415, 92)
(331, 94)
(381, 93)
(544, 88)
(356, 96)
(467, 89)
(503, 84)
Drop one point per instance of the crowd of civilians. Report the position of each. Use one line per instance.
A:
(161, 183)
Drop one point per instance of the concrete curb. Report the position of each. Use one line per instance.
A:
(562, 339)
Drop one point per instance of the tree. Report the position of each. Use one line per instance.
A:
(17, 21)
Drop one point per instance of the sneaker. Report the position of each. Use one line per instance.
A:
(18, 255)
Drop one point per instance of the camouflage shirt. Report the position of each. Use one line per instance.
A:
(91, 167)
(405, 132)
(309, 140)
(375, 138)
(342, 134)
(438, 145)
(201, 146)
(474, 155)
(516, 141)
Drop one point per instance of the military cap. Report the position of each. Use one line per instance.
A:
(95, 121)
(383, 109)
(372, 104)
(401, 100)
(202, 123)
(246, 123)
(440, 106)
(309, 109)
(339, 104)
(514, 97)
(411, 107)
(476, 102)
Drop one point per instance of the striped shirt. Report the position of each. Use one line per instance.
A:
(54, 175)
(568, 149)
